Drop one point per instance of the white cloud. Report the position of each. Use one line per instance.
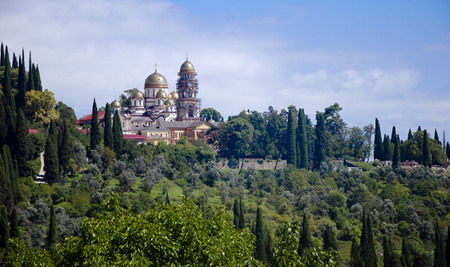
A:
(100, 48)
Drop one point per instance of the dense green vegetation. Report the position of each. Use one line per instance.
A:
(108, 201)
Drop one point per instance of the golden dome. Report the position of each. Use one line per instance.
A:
(173, 95)
(115, 104)
(155, 80)
(169, 102)
(187, 66)
(161, 94)
(137, 95)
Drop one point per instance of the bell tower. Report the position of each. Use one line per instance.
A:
(188, 105)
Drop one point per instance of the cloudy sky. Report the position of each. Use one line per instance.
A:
(385, 59)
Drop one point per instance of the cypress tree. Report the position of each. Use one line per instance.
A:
(14, 224)
(368, 253)
(269, 248)
(259, 233)
(37, 79)
(6, 83)
(21, 145)
(302, 141)
(426, 154)
(447, 150)
(419, 128)
(410, 136)
(291, 137)
(447, 247)
(387, 253)
(305, 237)
(439, 250)
(378, 152)
(30, 80)
(117, 133)
(436, 137)
(64, 147)
(2, 56)
(393, 135)
(329, 239)
(52, 235)
(355, 255)
(6, 177)
(4, 227)
(21, 87)
(108, 134)
(51, 160)
(95, 128)
(319, 146)
(15, 64)
(12, 174)
(241, 214)
(406, 257)
(236, 213)
(396, 159)
(387, 148)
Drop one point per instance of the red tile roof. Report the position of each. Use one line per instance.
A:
(32, 131)
(134, 137)
(101, 115)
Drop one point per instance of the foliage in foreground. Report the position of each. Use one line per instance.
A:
(167, 235)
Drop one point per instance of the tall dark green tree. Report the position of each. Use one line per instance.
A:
(305, 236)
(15, 64)
(21, 147)
(108, 133)
(355, 254)
(30, 80)
(439, 247)
(410, 135)
(6, 178)
(2, 56)
(95, 136)
(21, 85)
(4, 227)
(387, 148)
(426, 153)
(269, 248)
(52, 235)
(436, 137)
(241, 214)
(236, 213)
(329, 239)
(378, 152)
(14, 224)
(390, 259)
(447, 247)
(64, 147)
(6, 83)
(320, 143)
(260, 252)
(117, 133)
(393, 134)
(291, 136)
(447, 150)
(368, 253)
(396, 159)
(37, 79)
(302, 141)
(51, 161)
(406, 258)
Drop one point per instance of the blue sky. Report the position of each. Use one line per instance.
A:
(385, 59)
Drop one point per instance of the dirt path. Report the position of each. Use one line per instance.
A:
(40, 177)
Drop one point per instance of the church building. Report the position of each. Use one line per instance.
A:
(163, 116)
